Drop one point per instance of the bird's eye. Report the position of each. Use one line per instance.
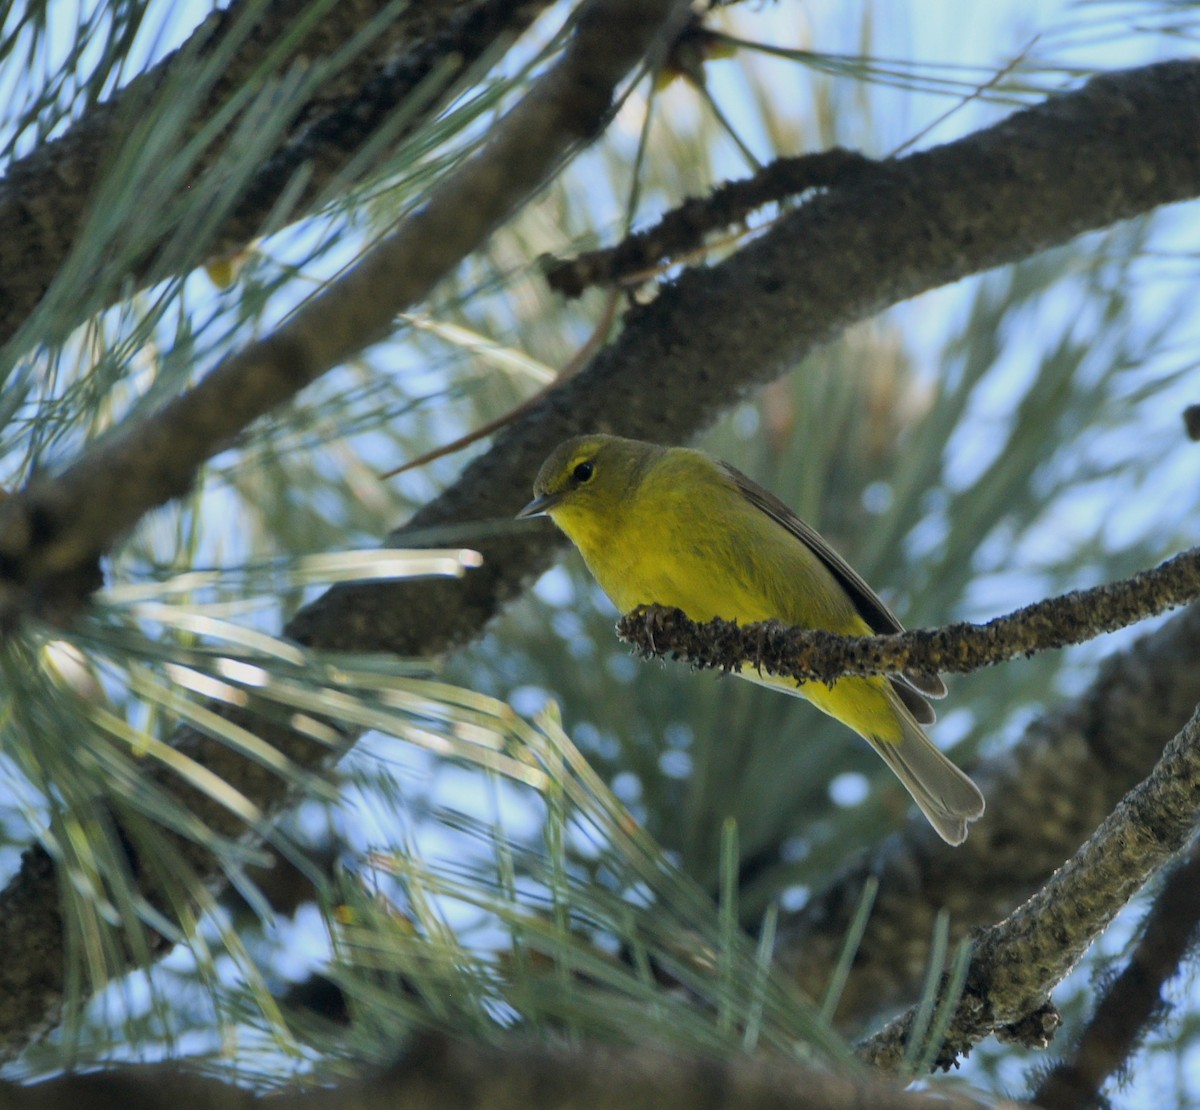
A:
(583, 472)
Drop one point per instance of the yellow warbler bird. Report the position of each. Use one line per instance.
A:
(672, 526)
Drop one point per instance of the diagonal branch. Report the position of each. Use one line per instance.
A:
(59, 525)
(1133, 1001)
(683, 230)
(814, 655)
(1121, 146)
(1017, 963)
(517, 1072)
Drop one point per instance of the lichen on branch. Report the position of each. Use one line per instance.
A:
(815, 655)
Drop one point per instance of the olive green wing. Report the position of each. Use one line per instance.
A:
(867, 602)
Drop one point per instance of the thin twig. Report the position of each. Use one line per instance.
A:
(814, 655)
(974, 95)
(683, 231)
(578, 360)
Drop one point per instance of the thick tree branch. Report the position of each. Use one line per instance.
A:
(45, 198)
(992, 197)
(517, 1075)
(1134, 1000)
(60, 525)
(813, 655)
(1017, 963)
(1045, 796)
(1124, 144)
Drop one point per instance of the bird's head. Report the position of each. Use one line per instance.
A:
(586, 481)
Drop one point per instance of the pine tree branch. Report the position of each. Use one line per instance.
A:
(1017, 963)
(1133, 1002)
(515, 1075)
(814, 655)
(989, 198)
(45, 197)
(54, 531)
(1045, 797)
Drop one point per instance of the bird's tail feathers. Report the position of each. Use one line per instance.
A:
(947, 797)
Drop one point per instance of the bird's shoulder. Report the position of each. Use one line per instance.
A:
(685, 489)
(684, 472)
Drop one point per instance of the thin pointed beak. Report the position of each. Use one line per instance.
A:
(539, 506)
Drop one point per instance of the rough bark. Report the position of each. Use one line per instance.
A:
(1123, 145)
(1016, 963)
(515, 1075)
